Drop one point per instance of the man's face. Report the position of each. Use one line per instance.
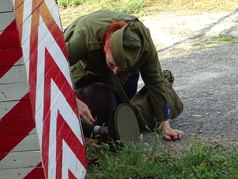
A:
(112, 64)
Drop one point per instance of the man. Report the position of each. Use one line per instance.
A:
(107, 52)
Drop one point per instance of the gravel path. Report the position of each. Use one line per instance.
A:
(206, 80)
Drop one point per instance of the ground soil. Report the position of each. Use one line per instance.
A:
(206, 79)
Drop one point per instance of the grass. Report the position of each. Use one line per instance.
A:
(156, 161)
(195, 6)
(214, 41)
(70, 9)
(174, 5)
(126, 6)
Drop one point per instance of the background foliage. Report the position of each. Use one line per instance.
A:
(70, 9)
(136, 5)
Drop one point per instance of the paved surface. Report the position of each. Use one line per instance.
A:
(206, 80)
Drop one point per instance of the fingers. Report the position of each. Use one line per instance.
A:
(84, 112)
(177, 134)
(167, 137)
(90, 117)
(180, 134)
(103, 131)
(87, 118)
(172, 134)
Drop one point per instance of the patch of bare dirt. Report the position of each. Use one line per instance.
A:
(206, 80)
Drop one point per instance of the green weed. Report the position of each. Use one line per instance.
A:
(156, 161)
(126, 6)
(70, 3)
(71, 9)
(214, 41)
(155, 5)
(194, 5)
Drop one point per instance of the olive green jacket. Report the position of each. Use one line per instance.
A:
(84, 41)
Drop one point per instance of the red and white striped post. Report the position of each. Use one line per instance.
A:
(36, 92)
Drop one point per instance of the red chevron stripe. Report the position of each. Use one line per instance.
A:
(15, 122)
(65, 133)
(9, 48)
(36, 173)
(53, 73)
(10, 37)
(71, 175)
(8, 57)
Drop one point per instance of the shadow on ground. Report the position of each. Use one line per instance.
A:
(207, 81)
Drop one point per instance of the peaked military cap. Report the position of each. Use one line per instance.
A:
(125, 46)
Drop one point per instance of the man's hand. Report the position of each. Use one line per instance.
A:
(84, 113)
(103, 131)
(170, 134)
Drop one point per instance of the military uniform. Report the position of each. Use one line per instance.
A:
(85, 40)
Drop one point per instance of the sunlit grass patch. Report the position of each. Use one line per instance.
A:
(193, 6)
(156, 160)
(125, 6)
(71, 9)
(214, 41)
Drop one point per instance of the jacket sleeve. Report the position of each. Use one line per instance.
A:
(153, 78)
(75, 44)
(77, 51)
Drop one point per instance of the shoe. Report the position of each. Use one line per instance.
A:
(126, 124)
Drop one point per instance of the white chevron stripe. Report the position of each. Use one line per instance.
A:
(26, 31)
(14, 165)
(56, 52)
(6, 6)
(60, 105)
(52, 6)
(6, 19)
(73, 164)
(6, 106)
(16, 74)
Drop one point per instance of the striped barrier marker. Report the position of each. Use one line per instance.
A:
(40, 133)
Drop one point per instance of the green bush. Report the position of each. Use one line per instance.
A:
(70, 3)
(126, 6)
